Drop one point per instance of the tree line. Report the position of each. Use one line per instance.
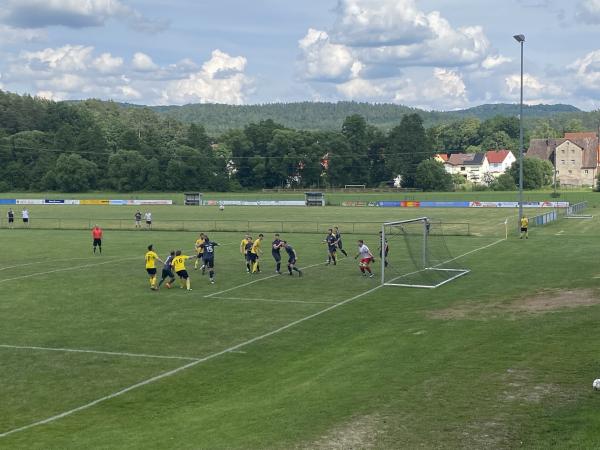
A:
(98, 145)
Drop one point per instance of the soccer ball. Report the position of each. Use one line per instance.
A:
(596, 384)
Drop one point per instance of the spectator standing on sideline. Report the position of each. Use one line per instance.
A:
(25, 216)
(11, 217)
(138, 219)
(148, 218)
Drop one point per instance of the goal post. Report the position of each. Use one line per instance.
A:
(414, 254)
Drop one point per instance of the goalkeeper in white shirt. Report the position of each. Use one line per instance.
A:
(366, 258)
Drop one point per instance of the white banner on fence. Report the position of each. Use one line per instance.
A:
(255, 202)
(30, 201)
(516, 204)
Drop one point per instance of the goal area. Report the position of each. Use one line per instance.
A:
(414, 253)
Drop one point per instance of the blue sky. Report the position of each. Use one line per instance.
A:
(431, 54)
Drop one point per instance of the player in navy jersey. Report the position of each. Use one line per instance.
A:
(248, 252)
(331, 242)
(292, 257)
(208, 258)
(276, 252)
(338, 236)
(167, 271)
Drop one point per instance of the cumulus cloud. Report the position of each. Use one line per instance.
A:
(374, 45)
(143, 63)
(220, 80)
(106, 63)
(537, 89)
(74, 14)
(66, 58)
(11, 35)
(587, 72)
(323, 61)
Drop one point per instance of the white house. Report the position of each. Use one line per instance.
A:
(472, 166)
(499, 161)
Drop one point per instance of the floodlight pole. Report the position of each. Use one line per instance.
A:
(520, 38)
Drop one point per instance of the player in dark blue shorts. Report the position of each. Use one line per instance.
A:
(338, 236)
(208, 258)
(167, 271)
(276, 252)
(292, 257)
(331, 242)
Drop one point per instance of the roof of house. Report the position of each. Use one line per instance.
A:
(466, 159)
(581, 135)
(543, 148)
(497, 156)
(442, 156)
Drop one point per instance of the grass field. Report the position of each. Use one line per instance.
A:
(503, 357)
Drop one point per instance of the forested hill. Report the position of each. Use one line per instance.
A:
(330, 116)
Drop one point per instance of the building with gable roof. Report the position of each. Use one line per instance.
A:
(472, 166)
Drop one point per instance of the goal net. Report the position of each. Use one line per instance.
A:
(417, 255)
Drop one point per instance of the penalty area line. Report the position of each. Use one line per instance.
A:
(247, 299)
(97, 352)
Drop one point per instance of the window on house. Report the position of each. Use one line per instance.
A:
(586, 172)
(562, 151)
(570, 171)
(462, 168)
(573, 162)
(562, 161)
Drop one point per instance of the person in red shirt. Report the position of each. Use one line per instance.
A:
(97, 235)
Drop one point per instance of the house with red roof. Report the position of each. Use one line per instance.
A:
(499, 161)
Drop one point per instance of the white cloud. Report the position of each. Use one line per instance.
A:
(493, 61)
(374, 23)
(587, 73)
(221, 80)
(130, 93)
(66, 58)
(143, 63)
(11, 35)
(49, 95)
(535, 89)
(106, 63)
(321, 60)
(74, 14)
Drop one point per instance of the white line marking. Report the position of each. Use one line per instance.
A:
(51, 261)
(98, 352)
(206, 358)
(269, 300)
(64, 269)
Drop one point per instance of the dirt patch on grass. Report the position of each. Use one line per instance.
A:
(360, 433)
(539, 303)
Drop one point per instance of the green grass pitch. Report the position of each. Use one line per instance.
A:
(91, 358)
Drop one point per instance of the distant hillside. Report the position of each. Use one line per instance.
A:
(217, 118)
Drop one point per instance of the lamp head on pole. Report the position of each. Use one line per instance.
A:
(519, 38)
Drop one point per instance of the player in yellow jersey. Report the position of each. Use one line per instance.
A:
(179, 267)
(524, 227)
(151, 258)
(244, 251)
(255, 252)
(199, 249)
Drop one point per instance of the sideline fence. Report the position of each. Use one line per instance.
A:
(243, 226)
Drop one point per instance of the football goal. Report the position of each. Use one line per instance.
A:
(414, 253)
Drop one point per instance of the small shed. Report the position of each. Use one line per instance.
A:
(192, 199)
(314, 198)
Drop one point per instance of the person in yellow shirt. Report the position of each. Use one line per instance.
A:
(179, 267)
(244, 251)
(255, 252)
(151, 258)
(524, 227)
(199, 249)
